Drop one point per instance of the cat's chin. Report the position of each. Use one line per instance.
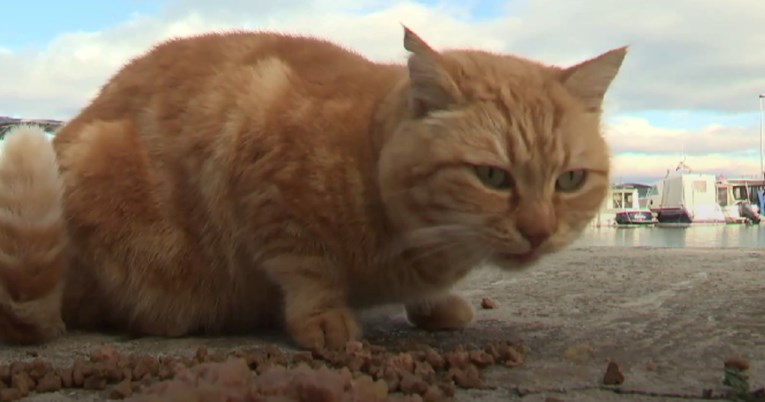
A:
(512, 261)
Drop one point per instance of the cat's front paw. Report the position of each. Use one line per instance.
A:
(330, 329)
(448, 312)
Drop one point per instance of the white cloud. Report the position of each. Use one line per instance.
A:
(647, 168)
(684, 55)
(59, 80)
(630, 134)
(642, 150)
(687, 54)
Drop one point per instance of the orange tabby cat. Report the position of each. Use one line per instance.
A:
(228, 182)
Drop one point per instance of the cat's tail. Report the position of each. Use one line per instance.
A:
(33, 238)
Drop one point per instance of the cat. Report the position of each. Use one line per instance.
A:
(228, 182)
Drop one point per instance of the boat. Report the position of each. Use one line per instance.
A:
(624, 207)
(634, 218)
(741, 199)
(684, 197)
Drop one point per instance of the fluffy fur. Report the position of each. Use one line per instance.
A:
(227, 182)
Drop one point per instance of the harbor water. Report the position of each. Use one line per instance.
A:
(690, 236)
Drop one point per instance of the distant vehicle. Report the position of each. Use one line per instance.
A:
(7, 123)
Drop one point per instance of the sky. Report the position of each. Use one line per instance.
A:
(688, 87)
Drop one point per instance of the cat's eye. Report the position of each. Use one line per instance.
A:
(494, 178)
(571, 181)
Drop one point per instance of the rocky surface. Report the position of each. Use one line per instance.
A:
(666, 318)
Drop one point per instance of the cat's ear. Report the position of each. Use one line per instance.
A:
(590, 79)
(432, 87)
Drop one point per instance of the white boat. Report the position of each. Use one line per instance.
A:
(622, 207)
(739, 199)
(685, 197)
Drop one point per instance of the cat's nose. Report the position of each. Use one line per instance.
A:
(536, 238)
(536, 224)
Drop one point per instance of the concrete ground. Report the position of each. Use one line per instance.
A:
(668, 317)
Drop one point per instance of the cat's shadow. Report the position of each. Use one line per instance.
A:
(393, 329)
(386, 327)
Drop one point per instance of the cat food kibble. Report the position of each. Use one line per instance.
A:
(580, 351)
(50, 382)
(488, 304)
(122, 390)
(613, 375)
(360, 371)
(737, 362)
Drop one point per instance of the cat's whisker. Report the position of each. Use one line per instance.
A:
(425, 237)
(425, 252)
(487, 253)
(456, 245)
(420, 254)
(470, 258)
(420, 237)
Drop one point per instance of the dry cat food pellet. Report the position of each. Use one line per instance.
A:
(737, 362)
(613, 374)
(487, 303)
(579, 352)
(358, 372)
(122, 390)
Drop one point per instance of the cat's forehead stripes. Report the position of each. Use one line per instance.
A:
(524, 130)
(475, 130)
(515, 102)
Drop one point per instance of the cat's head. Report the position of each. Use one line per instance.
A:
(499, 158)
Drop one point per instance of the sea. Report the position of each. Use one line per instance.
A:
(689, 236)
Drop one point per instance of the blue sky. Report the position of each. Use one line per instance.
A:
(681, 87)
(53, 17)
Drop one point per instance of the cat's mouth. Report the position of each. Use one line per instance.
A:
(521, 258)
(527, 257)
